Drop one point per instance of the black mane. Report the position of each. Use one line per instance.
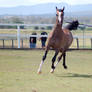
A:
(73, 25)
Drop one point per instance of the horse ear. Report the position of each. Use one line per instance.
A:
(63, 8)
(56, 7)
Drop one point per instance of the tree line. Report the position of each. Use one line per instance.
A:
(38, 20)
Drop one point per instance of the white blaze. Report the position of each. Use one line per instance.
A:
(59, 17)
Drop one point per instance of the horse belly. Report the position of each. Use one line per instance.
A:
(66, 42)
(69, 41)
(54, 43)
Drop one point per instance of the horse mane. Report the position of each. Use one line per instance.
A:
(73, 25)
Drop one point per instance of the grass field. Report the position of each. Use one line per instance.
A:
(18, 72)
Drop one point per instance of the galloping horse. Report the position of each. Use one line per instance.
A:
(59, 39)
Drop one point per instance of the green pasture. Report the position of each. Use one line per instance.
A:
(18, 72)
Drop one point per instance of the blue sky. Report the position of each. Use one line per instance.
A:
(10, 3)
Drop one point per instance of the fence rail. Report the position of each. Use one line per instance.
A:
(12, 37)
(28, 35)
(18, 28)
(21, 37)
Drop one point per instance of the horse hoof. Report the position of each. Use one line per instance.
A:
(52, 71)
(65, 67)
(39, 72)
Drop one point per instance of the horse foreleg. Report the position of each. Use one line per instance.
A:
(43, 59)
(64, 62)
(59, 58)
(53, 60)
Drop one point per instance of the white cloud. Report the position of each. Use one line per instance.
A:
(9, 3)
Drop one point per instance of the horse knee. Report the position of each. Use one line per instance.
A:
(53, 59)
(44, 57)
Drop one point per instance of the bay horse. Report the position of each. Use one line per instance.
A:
(59, 39)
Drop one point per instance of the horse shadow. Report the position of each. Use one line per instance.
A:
(75, 75)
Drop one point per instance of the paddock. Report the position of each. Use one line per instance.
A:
(18, 66)
(18, 72)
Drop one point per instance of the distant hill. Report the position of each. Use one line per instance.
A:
(48, 9)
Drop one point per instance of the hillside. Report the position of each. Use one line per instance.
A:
(47, 8)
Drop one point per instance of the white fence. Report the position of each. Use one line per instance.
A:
(18, 29)
(22, 37)
(19, 36)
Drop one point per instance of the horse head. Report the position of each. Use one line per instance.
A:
(59, 15)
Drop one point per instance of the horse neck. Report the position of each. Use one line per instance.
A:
(57, 30)
(58, 27)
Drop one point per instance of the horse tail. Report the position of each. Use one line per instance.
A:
(73, 25)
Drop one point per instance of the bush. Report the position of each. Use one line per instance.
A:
(49, 27)
(36, 27)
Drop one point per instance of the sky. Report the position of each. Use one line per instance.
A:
(13, 3)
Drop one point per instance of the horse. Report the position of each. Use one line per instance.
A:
(60, 39)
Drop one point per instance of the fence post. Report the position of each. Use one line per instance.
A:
(12, 44)
(91, 43)
(3, 43)
(18, 35)
(77, 43)
(22, 42)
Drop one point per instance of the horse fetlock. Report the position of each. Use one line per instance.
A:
(65, 67)
(39, 71)
(53, 67)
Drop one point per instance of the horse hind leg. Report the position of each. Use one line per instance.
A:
(43, 59)
(53, 60)
(64, 61)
